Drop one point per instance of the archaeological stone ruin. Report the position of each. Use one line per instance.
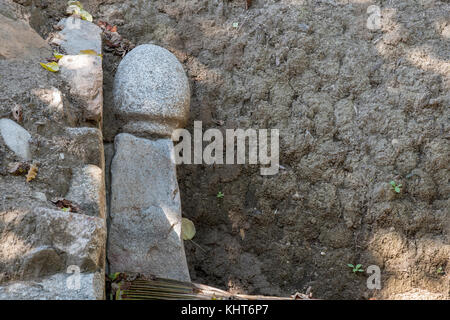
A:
(53, 225)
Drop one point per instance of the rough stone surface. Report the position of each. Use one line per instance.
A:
(16, 138)
(78, 35)
(145, 210)
(87, 190)
(42, 241)
(56, 287)
(18, 39)
(84, 75)
(85, 144)
(38, 241)
(151, 91)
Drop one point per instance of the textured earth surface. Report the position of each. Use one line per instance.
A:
(356, 108)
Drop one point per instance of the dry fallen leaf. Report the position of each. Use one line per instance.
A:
(32, 173)
(65, 205)
(18, 168)
(57, 55)
(50, 66)
(187, 229)
(91, 53)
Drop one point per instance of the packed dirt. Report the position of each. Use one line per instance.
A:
(356, 109)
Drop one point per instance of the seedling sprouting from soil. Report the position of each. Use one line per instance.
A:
(396, 187)
(220, 195)
(440, 271)
(357, 268)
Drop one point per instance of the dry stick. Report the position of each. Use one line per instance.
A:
(197, 245)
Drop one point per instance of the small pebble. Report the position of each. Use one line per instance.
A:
(303, 27)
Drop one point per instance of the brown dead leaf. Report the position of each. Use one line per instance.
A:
(65, 205)
(249, 3)
(32, 173)
(18, 168)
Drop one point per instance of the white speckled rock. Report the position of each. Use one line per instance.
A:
(78, 35)
(151, 92)
(84, 75)
(16, 138)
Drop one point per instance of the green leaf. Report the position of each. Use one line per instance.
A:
(360, 270)
(350, 265)
(397, 189)
(358, 266)
(187, 229)
(114, 276)
(392, 183)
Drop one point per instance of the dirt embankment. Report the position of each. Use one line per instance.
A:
(356, 108)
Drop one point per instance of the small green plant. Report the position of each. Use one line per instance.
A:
(440, 271)
(357, 268)
(220, 195)
(396, 187)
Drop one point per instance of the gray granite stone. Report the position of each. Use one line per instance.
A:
(16, 138)
(77, 35)
(145, 210)
(151, 92)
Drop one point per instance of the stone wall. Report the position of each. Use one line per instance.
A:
(52, 226)
(54, 212)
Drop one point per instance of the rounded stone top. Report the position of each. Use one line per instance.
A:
(151, 91)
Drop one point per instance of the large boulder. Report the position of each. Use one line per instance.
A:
(151, 92)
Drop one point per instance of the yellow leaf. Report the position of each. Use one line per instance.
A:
(73, 9)
(51, 66)
(75, 3)
(85, 15)
(57, 55)
(32, 173)
(91, 52)
(187, 229)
